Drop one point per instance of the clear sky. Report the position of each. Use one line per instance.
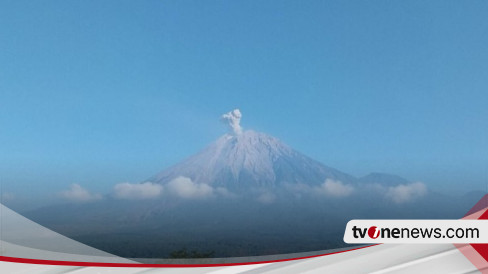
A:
(103, 92)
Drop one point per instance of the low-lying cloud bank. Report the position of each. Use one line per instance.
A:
(142, 191)
(405, 193)
(180, 187)
(76, 193)
(7, 196)
(184, 187)
(398, 194)
(266, 198)
(335, 188)
(329, 188)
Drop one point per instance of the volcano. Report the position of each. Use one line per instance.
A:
(250, 160)
(245, 194)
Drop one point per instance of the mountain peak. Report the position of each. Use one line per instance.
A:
(383, 179)
(250, 160)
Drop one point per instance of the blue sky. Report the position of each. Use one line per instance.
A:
(103, 92)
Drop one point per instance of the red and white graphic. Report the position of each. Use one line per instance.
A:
(383, 258)
(373, 232)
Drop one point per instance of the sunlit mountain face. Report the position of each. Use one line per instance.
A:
(251, 160)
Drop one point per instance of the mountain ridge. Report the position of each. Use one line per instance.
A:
(251, 160)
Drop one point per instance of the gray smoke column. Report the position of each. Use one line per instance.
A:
(233, 120)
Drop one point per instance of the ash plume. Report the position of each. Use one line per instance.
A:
(233, 120)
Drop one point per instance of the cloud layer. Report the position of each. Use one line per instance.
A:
(184, 187)
(329, 188)
(266, 198)
(76, 193)
(336, 188)
(7, 196)
(398, 194)
(142, 191)
(233, 120)
(406, 193)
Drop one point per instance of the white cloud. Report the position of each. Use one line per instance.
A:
(129, 191)
(297, 187)
(266, 198)
(335, 188)
(300, 190)
(224, 192)
(185, 188)
(78, 194)
(406, 193)
(331, 188)
(7, 196)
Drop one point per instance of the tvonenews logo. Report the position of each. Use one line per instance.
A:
(416, 231)
(374, 232)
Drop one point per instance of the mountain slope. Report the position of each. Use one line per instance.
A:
(383, 179)
(251, 160)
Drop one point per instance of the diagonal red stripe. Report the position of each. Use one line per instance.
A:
(484, 216)
(96, 264)
(482, 249)
(481, 204)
